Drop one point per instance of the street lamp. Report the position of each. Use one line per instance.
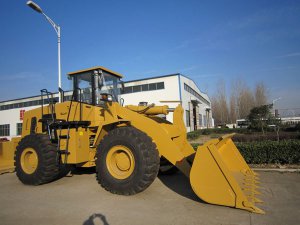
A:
(275, 100)
(56, 27)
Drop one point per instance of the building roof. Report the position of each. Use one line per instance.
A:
(150, 78)
(96, 68)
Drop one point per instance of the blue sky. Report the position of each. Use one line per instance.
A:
(208, 41)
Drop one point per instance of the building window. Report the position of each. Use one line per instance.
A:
(68, 98)
(128, 90)
(19, 128)
(195, 93)
(160, 85)
(144, 87)
(137, 88)
(4, 130)
(152, 86)
(187, 116)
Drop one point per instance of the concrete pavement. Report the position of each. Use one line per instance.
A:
(169, 200)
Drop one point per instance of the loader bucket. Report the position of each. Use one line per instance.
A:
(220, 175)
(7, 150)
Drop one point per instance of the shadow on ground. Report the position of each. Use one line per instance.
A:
(181, 185)
(93, 219)
(176, 182)
(82, 170)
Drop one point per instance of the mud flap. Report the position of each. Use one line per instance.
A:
(7, 151)
(220, 175)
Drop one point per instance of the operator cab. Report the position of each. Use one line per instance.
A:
(96, 85)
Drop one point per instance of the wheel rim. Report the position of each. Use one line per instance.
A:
(120, 162)
(29, 160)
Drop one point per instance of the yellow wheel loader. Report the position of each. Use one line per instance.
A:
(127, 145)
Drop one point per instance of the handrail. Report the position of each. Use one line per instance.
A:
(50, 102)
(80, 102)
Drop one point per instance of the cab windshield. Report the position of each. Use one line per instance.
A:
(88, 87)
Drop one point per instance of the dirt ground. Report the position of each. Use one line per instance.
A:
(169, 200)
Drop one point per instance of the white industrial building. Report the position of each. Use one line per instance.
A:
(168, 90)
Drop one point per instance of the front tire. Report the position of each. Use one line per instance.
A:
(127, 161)
(36, 160)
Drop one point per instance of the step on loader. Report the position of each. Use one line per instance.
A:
(126, 144)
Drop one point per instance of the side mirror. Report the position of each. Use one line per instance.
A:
(106, 97)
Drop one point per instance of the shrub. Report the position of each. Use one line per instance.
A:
(283, 152)
(195, 134)
(292, 128)
(268, 136)
(195, 145)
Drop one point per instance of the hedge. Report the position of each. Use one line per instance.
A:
(197, 133)
(283, 152)
(265, 137)
(244, 135)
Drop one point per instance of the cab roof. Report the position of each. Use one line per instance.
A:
(96, 68)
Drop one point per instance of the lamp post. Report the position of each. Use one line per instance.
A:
(56, 27)
(275, 100)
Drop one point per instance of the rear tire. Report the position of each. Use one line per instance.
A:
(127, 161)
(36, 160)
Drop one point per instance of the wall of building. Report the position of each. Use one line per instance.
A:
(167, 96)
(196, 104)
(168, 90)
(13, 117)
(178, 89)
(12, 111)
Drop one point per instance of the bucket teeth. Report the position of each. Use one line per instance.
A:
(257, 200)
(252, 190)
(249, 205)
(235, 183)
(256, 174)
(258, 210)
(254, 199)
(250, 173)
(251, 185)
(251, 181)
(251, 177)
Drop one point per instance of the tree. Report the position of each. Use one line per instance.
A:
(246, 100)
(260, 117)
(260, 94)
(275, 122)
(227, 109)
(243, 97)
(219, 104)
(232, 108)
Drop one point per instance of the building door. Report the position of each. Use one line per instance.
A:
(191, 109)
(195, 117)
(194, 106)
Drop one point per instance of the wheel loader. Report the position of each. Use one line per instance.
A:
(126, 144)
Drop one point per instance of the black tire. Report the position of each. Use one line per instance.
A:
(146, 161)
(47, 168)
(64, 170)
(166, 168)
